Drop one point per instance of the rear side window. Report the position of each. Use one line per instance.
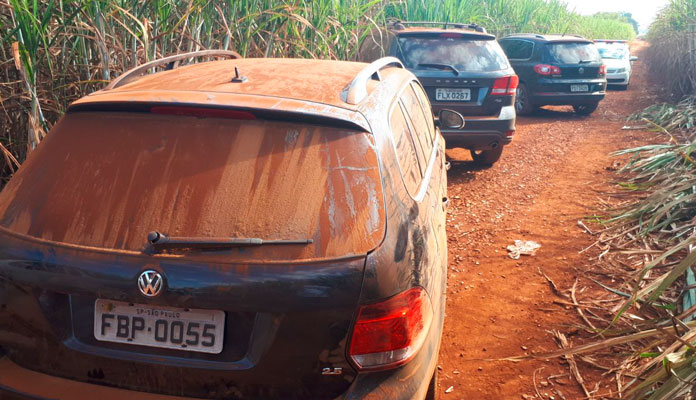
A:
(405, 150)
(463, 54)
(419, 124)
(518, 49)
(427, 108)
(572, 53)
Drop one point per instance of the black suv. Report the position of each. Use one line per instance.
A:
(462, 68)
(556, 70)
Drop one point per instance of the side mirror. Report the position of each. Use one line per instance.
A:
(633, 58)
(450, 119)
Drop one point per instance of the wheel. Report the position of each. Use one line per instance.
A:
(585, 109)
(486, 157)
(523, 103)
(432, 393)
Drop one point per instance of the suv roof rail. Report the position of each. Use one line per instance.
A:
(171, 62)
(356, 91)
(399, 25)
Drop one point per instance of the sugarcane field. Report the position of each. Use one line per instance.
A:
(347, 199)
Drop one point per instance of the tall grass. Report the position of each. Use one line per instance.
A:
(648, 252)
(54, 51)
(672, 54)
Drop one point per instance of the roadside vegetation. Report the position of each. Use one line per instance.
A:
(645, 324)
(54, 52)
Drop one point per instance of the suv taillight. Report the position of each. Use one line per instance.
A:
(506, 85)
(389, 333)
(544, 69)
(603, 70)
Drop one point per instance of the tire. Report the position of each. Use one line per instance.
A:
(585, 109)
(432, 393)
(486, 157)
(523, 103)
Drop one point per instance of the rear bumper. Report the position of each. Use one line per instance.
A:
(560, 99)
(557, 91)
(482, 133)
(618, 79)
(405, 383)
(17, 383)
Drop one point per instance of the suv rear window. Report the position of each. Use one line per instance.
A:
(112, 177)
(572, 53)
(465, 55)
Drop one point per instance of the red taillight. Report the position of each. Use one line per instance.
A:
(602, 70)
(544, 69)
(389, 333)
(202, 112)
(506, 85)
(510, 133)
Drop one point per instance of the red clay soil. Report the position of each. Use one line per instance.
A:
(497, 307)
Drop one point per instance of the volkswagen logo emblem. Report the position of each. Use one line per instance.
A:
(581, 71)
(150, 283)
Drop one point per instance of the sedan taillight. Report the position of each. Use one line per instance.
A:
(544, 69)
(389, 333)
(506, 85)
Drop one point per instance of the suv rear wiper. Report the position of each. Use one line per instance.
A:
(586, 61)
(440, 66)
(161, 241)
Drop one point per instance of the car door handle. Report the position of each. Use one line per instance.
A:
(445, 202)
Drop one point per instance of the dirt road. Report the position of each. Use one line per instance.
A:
(547, 180)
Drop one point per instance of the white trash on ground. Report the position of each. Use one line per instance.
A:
(522, 248)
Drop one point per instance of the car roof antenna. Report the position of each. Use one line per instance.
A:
(238, 78)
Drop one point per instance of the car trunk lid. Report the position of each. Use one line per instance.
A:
(73, 226)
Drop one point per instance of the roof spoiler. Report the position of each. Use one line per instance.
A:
(169, 63)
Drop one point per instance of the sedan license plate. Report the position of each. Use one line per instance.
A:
(579, 88)
(155, 326)
(453, 94)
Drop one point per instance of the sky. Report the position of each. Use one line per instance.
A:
(643, 11)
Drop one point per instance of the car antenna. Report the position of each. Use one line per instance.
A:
(238, 78)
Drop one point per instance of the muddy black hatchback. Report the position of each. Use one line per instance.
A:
(556, 70)
(233, 229)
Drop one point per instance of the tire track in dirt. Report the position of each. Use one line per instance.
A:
(497, 307)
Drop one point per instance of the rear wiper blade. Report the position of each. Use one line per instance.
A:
(440, 66)
(586, 61)
(161, 241)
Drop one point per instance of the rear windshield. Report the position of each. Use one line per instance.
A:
(463, 54)
(572, 53)
(106, 179)
(613, 51)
